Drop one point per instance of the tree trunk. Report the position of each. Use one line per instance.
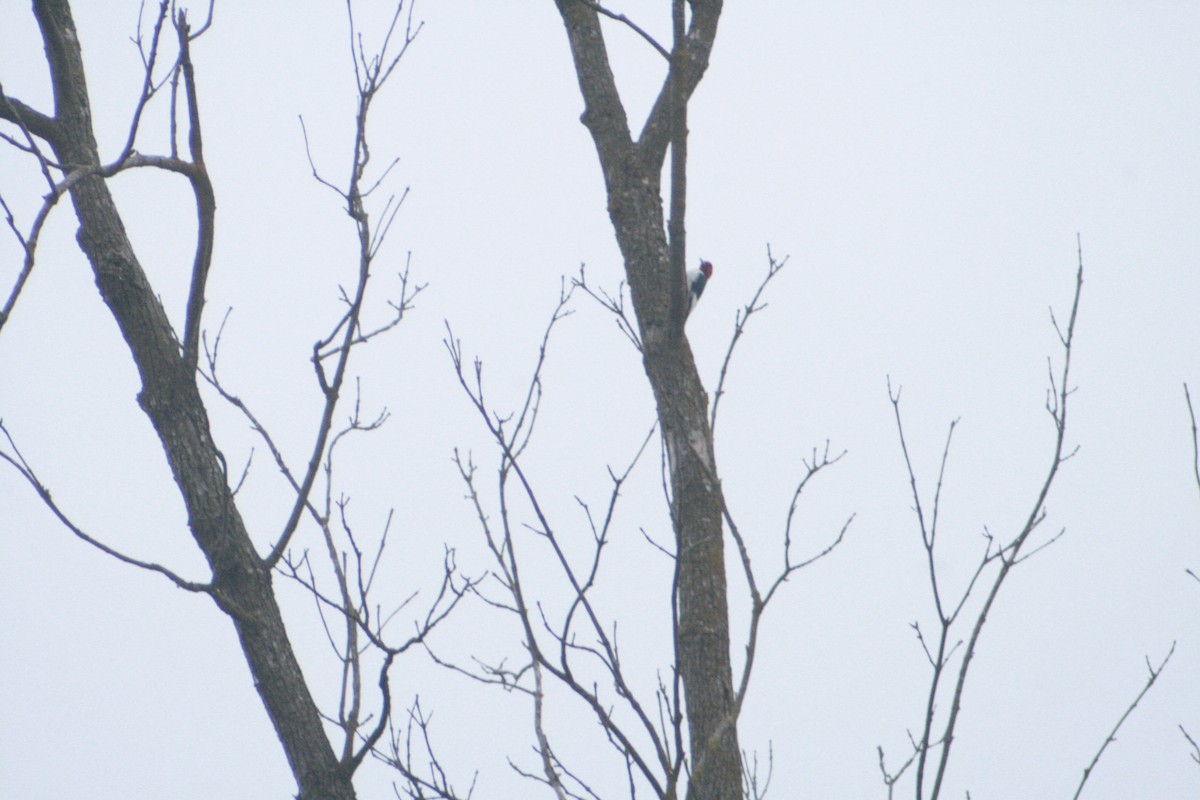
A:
(170, 397)
(632, 173)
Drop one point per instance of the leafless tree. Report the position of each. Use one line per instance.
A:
(63, 144)
(654, 268)
(678, 739)
(948, 653)
(700, 681)
(577, 646)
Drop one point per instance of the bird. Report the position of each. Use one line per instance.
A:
(697, 279)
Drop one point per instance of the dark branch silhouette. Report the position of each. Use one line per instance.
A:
(932, 749)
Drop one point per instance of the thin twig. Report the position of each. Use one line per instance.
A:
(1112, 736)
(599, 9)
(739, 328)
(1195, 440)
(18, 462)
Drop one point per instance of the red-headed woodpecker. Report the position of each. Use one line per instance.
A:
(696, 281)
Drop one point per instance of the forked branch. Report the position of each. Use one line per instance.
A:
(739, 328)
(1002, 555)
(568, 648)
(371, 73)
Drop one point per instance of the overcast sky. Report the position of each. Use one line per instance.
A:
(926, 166)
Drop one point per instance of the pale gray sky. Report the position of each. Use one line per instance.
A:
(925, 165)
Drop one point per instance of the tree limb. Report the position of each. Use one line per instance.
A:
(1112, 736)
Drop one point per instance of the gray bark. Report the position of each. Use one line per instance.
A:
(632, 173)
(241, 579)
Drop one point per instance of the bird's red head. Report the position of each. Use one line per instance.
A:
(706, 268)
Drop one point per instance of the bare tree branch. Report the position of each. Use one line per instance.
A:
(31, 123)
(739, 327)
(662, 51)
(1112, 736)
(168, 365)
(512, 439)
(1195, 753)
(1195, 439)
(614, 304)
(371, 74)
(415, 745)
(1004, 555)
(149, 87)
(206, 203)
(1195, 457)
(29, 244)
(890, 778)
(751, 789)
(18, 462)
(549, 761)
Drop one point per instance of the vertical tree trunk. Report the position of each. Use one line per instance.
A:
(171, 399)
(682, 403)
(632, 173)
